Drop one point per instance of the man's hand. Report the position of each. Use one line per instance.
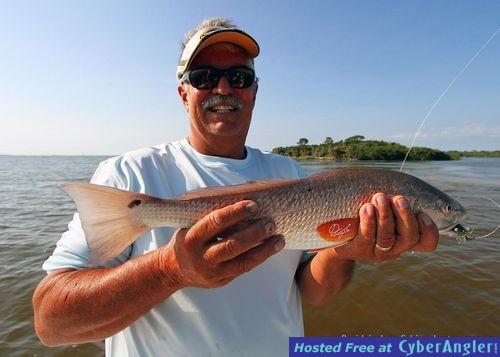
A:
(72, 306)
(387, 229)
(202, 259)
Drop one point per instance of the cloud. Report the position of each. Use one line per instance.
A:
(459, 131)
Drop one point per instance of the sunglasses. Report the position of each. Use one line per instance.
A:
(208, 78)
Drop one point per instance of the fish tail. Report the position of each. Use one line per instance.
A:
(109, 218)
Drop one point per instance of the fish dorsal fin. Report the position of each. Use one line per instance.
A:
(241, 189)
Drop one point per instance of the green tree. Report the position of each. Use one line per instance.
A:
(303, 141)
(354, 139)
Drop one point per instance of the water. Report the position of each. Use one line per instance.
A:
(33, 213)
(454, 291)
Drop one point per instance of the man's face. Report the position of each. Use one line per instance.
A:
(211, 123)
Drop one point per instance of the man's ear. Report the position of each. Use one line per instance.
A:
(184, 95)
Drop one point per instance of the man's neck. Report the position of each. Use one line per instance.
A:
(225, 147)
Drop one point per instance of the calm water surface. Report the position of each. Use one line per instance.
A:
(454, 291)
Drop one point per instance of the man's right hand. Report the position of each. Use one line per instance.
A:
(201, 260)
(72, 306)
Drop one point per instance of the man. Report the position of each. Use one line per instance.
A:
(185, 292)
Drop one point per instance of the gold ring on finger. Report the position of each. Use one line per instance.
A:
(383, 249)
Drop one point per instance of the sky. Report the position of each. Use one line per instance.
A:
(94, 77)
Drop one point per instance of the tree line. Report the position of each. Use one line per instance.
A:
(357, 148)
(475, 153)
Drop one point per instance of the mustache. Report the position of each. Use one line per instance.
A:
(218, 99)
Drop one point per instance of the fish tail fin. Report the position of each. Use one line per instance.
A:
(109, 218)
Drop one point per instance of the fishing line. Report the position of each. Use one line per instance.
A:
(444, 93)
(467, 236)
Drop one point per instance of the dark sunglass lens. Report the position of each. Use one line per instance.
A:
(208, 78)
(240, 77)
(203, 78)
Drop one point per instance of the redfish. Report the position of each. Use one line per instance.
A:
(311, 213)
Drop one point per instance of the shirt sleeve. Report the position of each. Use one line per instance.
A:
(301, 172)
(71, 250)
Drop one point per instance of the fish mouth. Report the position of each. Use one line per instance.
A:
(456, 228)
(452, 223)
(448, 228)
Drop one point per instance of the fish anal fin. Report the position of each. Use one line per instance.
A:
(339, 230)
(316, 250)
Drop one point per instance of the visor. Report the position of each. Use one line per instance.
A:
(212, 35)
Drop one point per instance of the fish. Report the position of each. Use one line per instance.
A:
(311, 213)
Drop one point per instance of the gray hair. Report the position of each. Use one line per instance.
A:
(214, 21)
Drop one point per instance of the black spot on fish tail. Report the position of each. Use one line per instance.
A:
(134, 203)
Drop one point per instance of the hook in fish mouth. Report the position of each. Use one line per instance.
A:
(466, 233)
(463, 232)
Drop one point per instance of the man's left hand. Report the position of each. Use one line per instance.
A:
(387, 229)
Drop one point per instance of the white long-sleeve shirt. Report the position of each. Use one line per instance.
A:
(251, 316)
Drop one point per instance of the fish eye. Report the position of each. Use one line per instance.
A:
(448, 208)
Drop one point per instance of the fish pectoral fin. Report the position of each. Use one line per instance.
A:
(338, 230)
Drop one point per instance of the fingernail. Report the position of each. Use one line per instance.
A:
(369, 210)
(251, 207)
(426, 219)
(279, 244)
(381, 200)
(270, 227)
(403, 203)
